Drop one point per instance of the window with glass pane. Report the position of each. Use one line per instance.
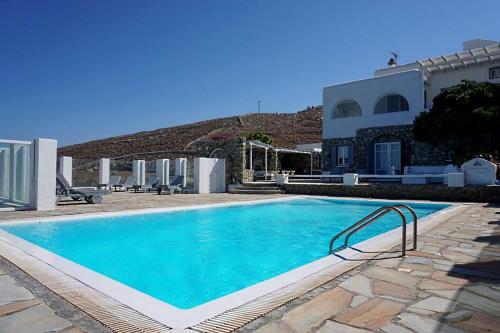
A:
(391, 103)
(345, 109)
(342, 155)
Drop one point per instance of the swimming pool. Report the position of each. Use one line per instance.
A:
(190, 257)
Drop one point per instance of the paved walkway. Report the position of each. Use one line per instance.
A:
(119, 201)
(451, 284)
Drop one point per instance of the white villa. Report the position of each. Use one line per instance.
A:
(367, 123)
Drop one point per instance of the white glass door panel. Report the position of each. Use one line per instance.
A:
(387, 158)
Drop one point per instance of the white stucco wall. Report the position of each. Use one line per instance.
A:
(366, 93)
(443, 80)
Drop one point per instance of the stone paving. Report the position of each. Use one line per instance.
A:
(451, 284)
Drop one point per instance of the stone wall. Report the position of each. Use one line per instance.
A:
(412, 152)
(233, 151)
(490, 193)
(326, 150)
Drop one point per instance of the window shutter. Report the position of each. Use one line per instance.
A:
(333, 158)
(371, 157)
(350, 155)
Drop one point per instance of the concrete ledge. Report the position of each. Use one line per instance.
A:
(487, 193)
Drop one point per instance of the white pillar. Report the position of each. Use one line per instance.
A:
(104, 165)
(251, 156)
(139, 171)
(45, 168)
(209, 175)
(265, 163)
(276, 162)
(181, 169)
(163, 171)
(66, 168)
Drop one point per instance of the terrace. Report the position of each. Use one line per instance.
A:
(450, 284)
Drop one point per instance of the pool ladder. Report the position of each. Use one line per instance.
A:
(377, 214)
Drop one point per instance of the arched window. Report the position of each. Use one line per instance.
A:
(346, 108)
(391, 103)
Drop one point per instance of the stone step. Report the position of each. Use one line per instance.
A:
(263, 188)
(259, 184)
(254, 191)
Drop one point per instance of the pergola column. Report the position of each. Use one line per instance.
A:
(276, 160)
(251, 157)
(265, 163)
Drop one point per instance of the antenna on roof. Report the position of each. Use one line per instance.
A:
(394, 59)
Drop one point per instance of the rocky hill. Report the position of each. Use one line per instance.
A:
(286, 129)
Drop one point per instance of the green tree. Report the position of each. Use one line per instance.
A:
(465, 120)
(262, 137)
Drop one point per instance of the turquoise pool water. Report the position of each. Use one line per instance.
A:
(187, 258)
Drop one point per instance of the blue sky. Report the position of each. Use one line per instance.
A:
(81, 70)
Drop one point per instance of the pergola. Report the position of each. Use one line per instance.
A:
(462, 59)
(266, 147)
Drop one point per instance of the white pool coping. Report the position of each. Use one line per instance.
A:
(184, 318)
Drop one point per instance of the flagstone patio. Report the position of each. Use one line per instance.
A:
(451, 284)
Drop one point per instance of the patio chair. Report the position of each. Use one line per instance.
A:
(90, 194)
(175, 186)
(150, 184)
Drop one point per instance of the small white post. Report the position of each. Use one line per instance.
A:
(265, 163)
(456, 179)
(104, 165)
(181, 169)
(66, 168)
(251, 156)
(139, 171)
(350, 179)
(45, 168)
(163, 171)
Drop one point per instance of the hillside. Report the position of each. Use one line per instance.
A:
(286, 129)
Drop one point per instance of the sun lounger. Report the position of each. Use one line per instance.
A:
(90, 194)
(150, 184)
(175, 186)
(114, 182)
(129, 183)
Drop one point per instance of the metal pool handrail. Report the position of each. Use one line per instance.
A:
(374, 216)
